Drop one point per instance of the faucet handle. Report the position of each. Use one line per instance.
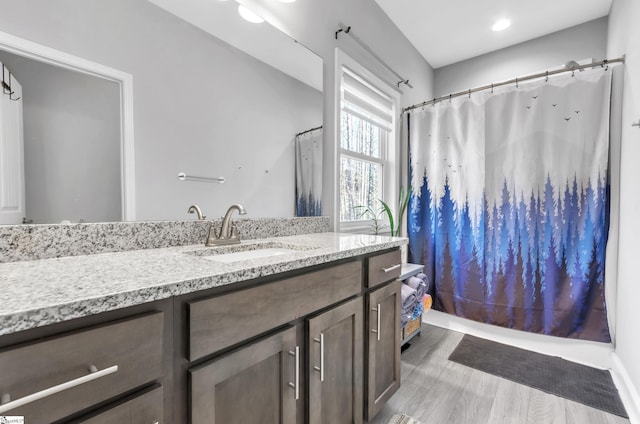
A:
(234, 231)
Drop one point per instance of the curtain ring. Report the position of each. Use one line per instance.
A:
(449, 98)
(491, 88)
(469, 93)
(517, 82)
(546, 78)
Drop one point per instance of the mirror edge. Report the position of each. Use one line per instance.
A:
(54, 57)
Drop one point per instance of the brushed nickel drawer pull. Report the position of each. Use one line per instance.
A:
(57, 389)
(391, 268)
(376, 330)
(296, 385)
(321, 367)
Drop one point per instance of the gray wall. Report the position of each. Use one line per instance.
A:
(200, 106)
(624, 33)
(71, 131)
(583, 41)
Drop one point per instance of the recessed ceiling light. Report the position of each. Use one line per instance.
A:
(501, 25)
(287, 1)
(249, 15)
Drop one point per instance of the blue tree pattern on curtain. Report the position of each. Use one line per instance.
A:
(308, 152)
(509, 213)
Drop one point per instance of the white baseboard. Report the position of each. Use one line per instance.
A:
(594, 354)
(628, 392)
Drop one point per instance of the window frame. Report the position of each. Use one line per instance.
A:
(389, 150)
(382, 161)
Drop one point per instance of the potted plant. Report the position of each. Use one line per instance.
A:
(395, 223)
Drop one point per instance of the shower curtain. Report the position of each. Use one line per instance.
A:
(509, 205)
(309, 173)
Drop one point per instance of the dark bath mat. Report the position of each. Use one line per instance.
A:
(551, 374)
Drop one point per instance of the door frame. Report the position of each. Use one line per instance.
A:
(50, 56)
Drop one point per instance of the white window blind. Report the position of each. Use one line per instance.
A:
(367, 121)
(362, 99)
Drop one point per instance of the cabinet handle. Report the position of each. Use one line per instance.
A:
(391, 268)
(321, 368)
(94, 375)
(296, 385)
(376, 330)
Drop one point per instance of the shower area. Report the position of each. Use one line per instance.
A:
(509, 210)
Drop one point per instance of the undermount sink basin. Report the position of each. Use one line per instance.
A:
(247, 252)
(249, 255)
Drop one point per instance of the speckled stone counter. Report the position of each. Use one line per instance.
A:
(42, 292)
(30, 242)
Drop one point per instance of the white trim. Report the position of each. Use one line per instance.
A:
(391, 180)
(585, 352)
(363, 227)
(362, 157)
(41, 53)
(628, 392)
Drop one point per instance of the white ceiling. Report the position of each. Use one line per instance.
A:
(449, 31)
(262, 41)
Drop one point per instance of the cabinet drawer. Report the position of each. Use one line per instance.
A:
(143, 409)
(383, 268)
(223, 321)
(134, 346)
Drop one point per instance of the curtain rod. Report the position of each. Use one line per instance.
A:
(348, 31)
(308, 131)
(546, 74)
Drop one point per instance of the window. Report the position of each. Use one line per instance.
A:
(367, 147)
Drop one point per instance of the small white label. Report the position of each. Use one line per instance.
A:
(11, 419)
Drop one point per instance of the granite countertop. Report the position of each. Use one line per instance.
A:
(41, 292)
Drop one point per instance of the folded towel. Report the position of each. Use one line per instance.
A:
(427, 281)
(409, 303)
(408, 296)
(417, 284)
(408, 315)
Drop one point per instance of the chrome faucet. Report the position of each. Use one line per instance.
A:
(197, 210)
(228, 230)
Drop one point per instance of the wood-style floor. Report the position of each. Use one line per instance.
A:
(436, 390)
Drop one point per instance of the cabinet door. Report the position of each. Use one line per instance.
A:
(254, 384)
(383, 368)
(335, 365)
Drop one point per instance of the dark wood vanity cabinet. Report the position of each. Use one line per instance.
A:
(256, 355)
(106, 368)
(257, 383)
(335, 365)
(383, 332)
(144, 408)
(383, 347)
(241, 347)
(294, 348)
